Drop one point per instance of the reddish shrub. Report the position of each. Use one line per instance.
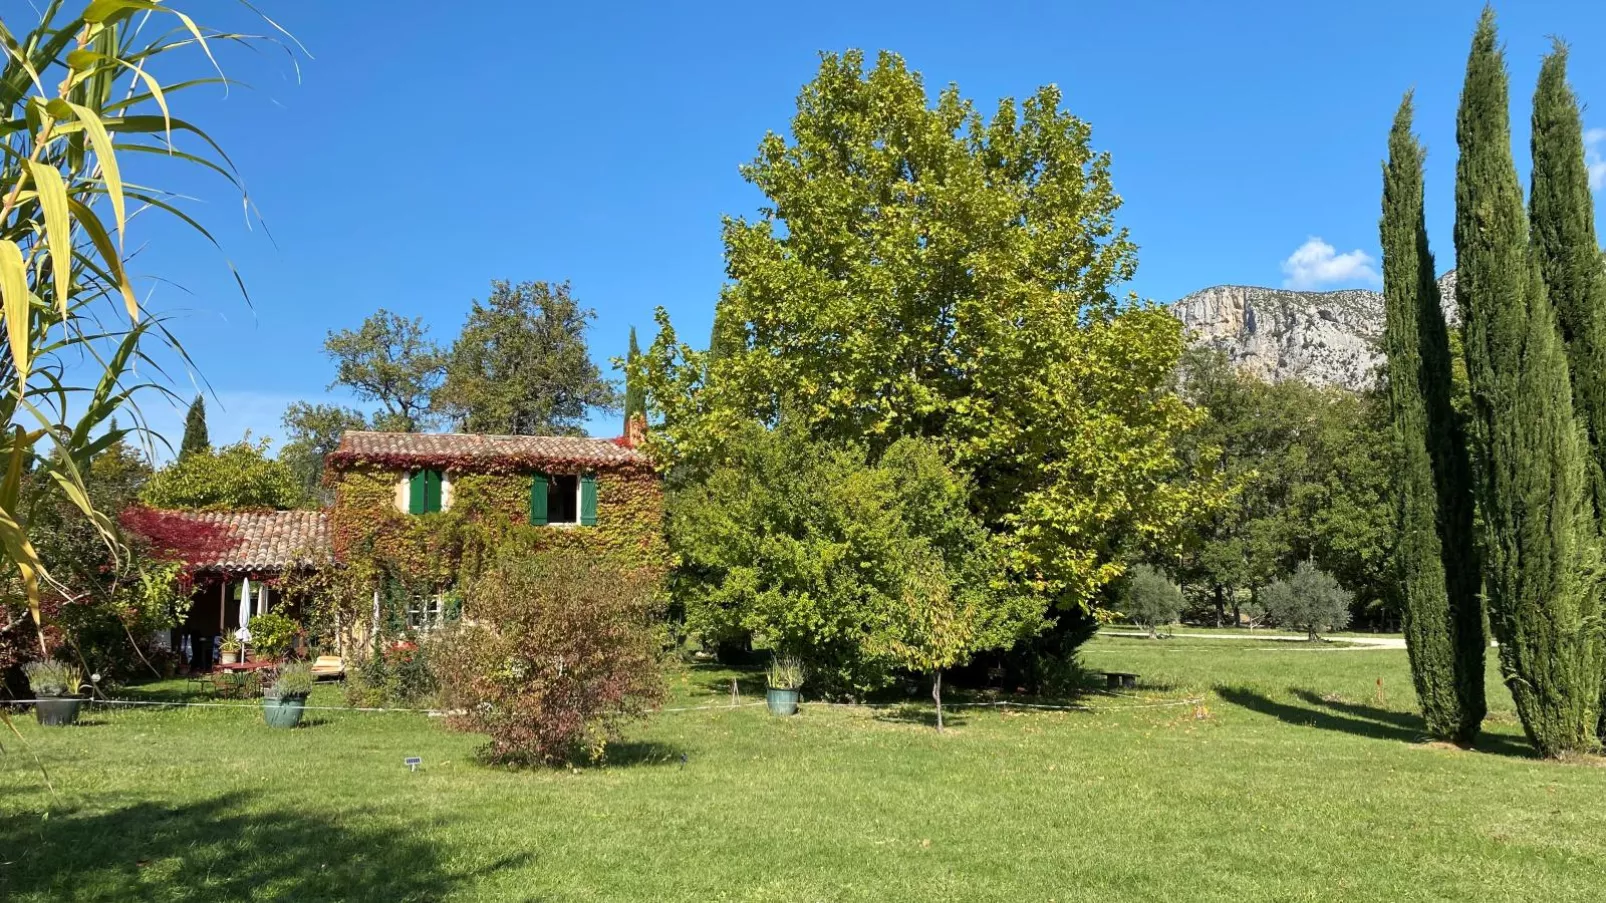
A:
(554, 655)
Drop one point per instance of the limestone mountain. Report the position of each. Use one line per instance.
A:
(1322, 338)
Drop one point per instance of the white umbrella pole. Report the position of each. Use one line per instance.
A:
(244, 633)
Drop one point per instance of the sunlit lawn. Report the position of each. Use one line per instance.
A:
(1304, 780)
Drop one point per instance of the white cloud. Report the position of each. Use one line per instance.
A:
(1316, 264)
(1593, 159)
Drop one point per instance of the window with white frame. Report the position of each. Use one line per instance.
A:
(425, 612)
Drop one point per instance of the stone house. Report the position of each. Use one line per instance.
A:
(411, 511)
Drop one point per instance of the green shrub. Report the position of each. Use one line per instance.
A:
(1309, 600)
(398, 673)
(272, 634)
(234, 476)
(555, 654)
(51, 678)
(863, 566)
(1150, 599)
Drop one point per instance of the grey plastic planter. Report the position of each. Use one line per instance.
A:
(57, 711)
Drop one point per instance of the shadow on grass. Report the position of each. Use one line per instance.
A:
(633, 753)
(1359, 720)
(234, 846)
(924, 715)
(1402, 720)
(749, 681)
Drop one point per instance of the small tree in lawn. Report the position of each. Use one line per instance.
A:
(1310, 600)
(1150, 599)
(953, 598)
(938, 629)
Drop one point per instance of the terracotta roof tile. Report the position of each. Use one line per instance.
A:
(264, 540)
(470, 450)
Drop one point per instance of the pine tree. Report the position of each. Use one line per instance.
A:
(195, 438)
(1539, 533)
(635, 396)
(1443, 611)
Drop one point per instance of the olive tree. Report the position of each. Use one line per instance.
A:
(1309, 599)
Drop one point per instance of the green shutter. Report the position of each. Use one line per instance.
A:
(538, 484)
(432, 490)
(588, 500)
(415, 492)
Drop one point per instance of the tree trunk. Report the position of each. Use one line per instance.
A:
(936, 695)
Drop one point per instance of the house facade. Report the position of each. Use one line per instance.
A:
(413, 512)
(418, 502)
(236, 564)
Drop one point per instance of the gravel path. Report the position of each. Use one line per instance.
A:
(1356, 641)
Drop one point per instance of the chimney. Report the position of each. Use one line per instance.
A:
(635, 430)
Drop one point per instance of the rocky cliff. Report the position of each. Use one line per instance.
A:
(1323, 338)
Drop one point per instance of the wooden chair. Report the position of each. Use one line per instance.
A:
(328, 667)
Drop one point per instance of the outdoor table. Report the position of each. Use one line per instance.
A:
(246, 666)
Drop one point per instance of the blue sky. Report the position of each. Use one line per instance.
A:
(419, 154)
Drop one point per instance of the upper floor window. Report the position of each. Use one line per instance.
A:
(557, 499)
(424, 492)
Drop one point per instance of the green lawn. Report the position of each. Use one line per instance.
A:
(1299, 784)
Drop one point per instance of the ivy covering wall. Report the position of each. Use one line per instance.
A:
(488, 511)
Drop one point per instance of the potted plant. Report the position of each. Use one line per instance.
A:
(55, 692)
(272, 635)
(785, 685)
(285, 700)
(231, 652)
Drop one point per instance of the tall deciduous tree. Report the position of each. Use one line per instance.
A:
(389, 359)
(1540, 540)
(1562, 220)
(311, 432)
(920, 270)
(1309, 470)
(723, 340)
(233, 476)
(521, 365)
(1441, 609)
(195, 437)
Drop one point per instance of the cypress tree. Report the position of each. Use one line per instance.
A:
(1561, 215)
(195, 438)
(1443, 611)
(1539, 550)
(635, 396)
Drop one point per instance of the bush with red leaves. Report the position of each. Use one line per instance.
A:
(553, 656)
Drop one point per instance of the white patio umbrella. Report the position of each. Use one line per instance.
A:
(244, 633)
